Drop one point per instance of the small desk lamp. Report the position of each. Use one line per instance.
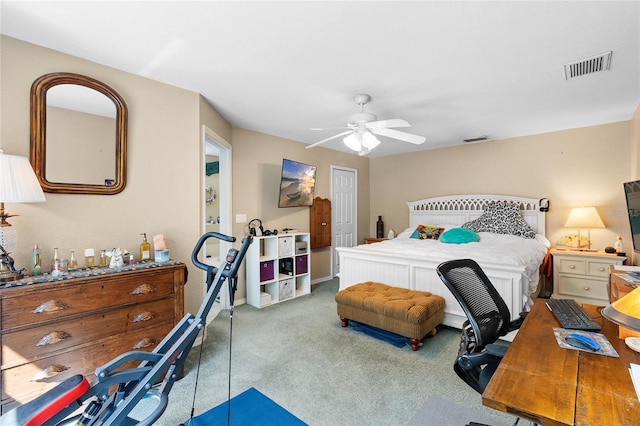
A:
(584, 217)
(626, 312)
(18, 184)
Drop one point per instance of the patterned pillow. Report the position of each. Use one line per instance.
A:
(501, 217)
(424, 232)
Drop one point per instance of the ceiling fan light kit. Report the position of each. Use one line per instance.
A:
(363, 127)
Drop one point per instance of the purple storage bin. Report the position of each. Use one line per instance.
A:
(266, 270)
(301, 265)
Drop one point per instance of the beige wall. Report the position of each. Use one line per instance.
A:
(164, 178)
(571, 168)
(257, 162)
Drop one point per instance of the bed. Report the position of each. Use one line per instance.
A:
(511, 262)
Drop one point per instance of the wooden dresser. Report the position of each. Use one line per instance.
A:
(54, 328)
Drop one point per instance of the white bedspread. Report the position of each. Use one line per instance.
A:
(491, 249)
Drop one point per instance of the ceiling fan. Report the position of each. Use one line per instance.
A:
(363, 126)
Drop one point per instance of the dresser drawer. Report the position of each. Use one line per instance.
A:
(572, 266)
(43, 306)
(582, 287)
(26, 381)
(599, 269)
(41, 341)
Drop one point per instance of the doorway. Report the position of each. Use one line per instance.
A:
(216, 205)
(344, 212)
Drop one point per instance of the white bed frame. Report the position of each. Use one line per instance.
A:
(419, 273)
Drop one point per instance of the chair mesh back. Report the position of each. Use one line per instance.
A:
(486, 311)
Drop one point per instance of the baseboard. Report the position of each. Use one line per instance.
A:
(320, 280)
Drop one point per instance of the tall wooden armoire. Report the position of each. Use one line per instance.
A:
(320, 223)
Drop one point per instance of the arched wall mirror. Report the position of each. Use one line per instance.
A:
(78, 135)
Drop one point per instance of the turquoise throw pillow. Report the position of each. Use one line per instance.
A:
(459, 236)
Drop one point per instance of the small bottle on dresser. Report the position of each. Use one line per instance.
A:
(89, 257)
(145, 248)
(36, 261)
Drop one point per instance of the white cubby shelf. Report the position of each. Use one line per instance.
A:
(278, 268)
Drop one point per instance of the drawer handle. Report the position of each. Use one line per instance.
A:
(50, 306)
(143, 289)
(47, 373)
(53, 337)
(601, 269)
(144, 316)
(145, 343)
(586, 287)
(324, 223)
(572, 266)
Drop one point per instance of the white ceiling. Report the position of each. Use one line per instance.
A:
(454, 70)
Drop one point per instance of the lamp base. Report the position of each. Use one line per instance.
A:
(8, 276)
(7, 271)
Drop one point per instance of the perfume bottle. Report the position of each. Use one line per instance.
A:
(73, 263)
(56, 263)
(89, 257)
(36, 261)
(104, 260)
(145, 248)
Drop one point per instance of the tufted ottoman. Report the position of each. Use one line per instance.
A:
(409, 313)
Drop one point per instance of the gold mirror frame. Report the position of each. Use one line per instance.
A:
(38, 147)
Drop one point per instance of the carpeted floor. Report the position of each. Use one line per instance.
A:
(439, 411)
(297, 353)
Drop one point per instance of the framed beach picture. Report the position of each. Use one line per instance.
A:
(297, 184)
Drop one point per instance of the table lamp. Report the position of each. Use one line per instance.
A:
(626, 312)
(584, 217)
(18, 184)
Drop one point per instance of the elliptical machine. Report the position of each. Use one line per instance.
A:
(116, 391)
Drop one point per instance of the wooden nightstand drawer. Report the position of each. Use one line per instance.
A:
(583, 276)
(599, 269)
(572, 266)
(582, 287)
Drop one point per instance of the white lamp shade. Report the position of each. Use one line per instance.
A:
(584, 217)
(353, 142)
(18, 182)
(369, 141)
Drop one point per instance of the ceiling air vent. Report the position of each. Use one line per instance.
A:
(478, 139)
(589, 65)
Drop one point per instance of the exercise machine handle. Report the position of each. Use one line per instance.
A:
(200, 243)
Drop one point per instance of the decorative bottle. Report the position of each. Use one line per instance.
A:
(56, 263)
(619, 247)
(379, 228)
(36, 261)
(145, 248)
(104, 260)
(73, 263)
(89, 257)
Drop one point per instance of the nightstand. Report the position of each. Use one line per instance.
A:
(583, 275)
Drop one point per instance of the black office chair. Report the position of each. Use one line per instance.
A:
(488, 319)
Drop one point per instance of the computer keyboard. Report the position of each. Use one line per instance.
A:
(571, 315)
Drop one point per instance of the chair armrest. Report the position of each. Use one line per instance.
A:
(471, 361)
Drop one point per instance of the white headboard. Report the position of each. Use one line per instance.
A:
(459, 209)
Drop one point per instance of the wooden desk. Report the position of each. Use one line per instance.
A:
(544, 383)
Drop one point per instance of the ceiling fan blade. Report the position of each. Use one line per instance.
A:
(395, 122)
(328, 139)
(330, 128)
(403, 136)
